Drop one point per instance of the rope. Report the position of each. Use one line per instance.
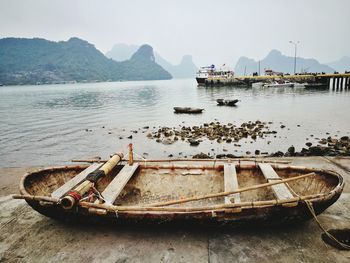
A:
(312, 211)
(143, 159)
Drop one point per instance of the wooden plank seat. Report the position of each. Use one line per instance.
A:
(62, 190)
(231, 183)
(280, 191)
(115, 187)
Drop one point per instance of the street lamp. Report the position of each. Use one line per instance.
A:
(295, 54)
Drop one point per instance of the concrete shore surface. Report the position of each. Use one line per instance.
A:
(27, 236)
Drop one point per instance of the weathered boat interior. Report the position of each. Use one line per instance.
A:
(153, 182)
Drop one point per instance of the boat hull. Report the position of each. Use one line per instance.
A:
(187, 110)
(268, 216)
(42, 181)
(201, 81)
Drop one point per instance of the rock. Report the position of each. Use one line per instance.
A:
(167, 141)
(193, 142)
(316, 150)
(282, 126)
(277, 154)
(120, 138)
(201, 156)
(149, 135)
(170, 155)
(291, 150)
(129, 137)
(257, 152)
(323, 141)
(248, 152)
(103, 127)
(146, 127)
(308, 144)
(158, 140)
(344, 138)
(109, 132)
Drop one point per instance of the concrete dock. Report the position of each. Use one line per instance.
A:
(336, 82)
(27, 236)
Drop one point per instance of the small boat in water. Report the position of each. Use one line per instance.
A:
(222, 102)
(279, 84)
(187, 110)
(225, 192)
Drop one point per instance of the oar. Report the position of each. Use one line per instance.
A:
(240, 190)
(73, 197)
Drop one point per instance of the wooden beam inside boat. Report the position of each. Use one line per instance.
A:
(281, 191)
(231, 183)
(61, 191)
(113, 190)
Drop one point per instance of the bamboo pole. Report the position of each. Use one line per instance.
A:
(70, 199)
(240, 190)
(36, 198)
(212, 208)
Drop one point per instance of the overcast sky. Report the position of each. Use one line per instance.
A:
(211, 31)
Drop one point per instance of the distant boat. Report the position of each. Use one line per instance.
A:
(214, 74)
(222, 102)
(187, 110)
(282, 84)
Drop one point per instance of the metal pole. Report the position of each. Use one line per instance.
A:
(295, 58)
(295, 54)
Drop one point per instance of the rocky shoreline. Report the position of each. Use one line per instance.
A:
(231, 134)
(228, 133)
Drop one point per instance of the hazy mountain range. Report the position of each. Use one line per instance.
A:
(276, 61)
(341, 65)
(186, 68)
(33, 61)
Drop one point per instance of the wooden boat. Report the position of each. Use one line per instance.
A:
(182, 191)
(222, 102)
(187, 110)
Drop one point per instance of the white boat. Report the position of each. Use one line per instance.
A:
(279, 84)
(210, 72)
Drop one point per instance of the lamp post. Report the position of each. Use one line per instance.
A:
(295, 54)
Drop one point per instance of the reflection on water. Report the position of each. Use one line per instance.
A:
(47, 124)
(81, 99)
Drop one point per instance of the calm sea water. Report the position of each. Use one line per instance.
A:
(46, 125)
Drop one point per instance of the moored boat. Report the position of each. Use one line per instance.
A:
(279, 84)
(222, 102)
(210, 75)
(187, 110)
(181, 191)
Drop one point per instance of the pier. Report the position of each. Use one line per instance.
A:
(336, 81)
